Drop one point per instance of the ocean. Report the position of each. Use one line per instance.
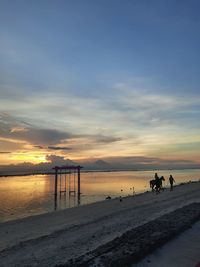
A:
(22, 196)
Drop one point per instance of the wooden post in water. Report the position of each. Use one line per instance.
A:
(79, 185)
(56, 182)
(55, 188)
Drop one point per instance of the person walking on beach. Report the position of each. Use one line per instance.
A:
(171, 181)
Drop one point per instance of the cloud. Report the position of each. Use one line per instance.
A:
(59, 148)
(105, 139)
(55, 159)
(10, 145)
(40, 147)
(18, 129)
(58, 160)
(5, 152)
(112, 163)
(51, 139)
(40, 136)
(148, 107)
(135, 122)
(148, 163)
(12, 128)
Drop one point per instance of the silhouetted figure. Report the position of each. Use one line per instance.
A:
(108, 197)
(120, 199)
(157, 183)
(161, 185)
(152, 183)
(133, 190)
(171, 181)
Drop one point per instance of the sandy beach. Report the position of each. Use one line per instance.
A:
(55, 238)
(181, 251)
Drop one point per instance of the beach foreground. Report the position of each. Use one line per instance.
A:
(181, 251)
(56, 238)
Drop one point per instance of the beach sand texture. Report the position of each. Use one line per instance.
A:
(183, 251)
(55, 238)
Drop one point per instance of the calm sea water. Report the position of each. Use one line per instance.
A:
(22, 196)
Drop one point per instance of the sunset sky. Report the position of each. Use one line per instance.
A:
(96, 79)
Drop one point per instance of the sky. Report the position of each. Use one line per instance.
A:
(98, 79)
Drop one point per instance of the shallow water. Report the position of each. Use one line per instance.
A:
(22, 196)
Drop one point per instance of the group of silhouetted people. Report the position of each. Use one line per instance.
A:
(157, 183)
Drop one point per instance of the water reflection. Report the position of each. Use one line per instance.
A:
(55, 202)
(66, 200)
(22, 196)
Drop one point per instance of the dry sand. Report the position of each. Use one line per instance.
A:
(54, 238)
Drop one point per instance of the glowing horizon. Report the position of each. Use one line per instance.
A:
(74, 85)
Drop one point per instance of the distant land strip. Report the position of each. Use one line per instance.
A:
(135, 244)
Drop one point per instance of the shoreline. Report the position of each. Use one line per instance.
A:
(92, 189)
(91, 171)
(78, 230)
(99, 201)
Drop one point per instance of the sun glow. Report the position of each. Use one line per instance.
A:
(28, 157)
